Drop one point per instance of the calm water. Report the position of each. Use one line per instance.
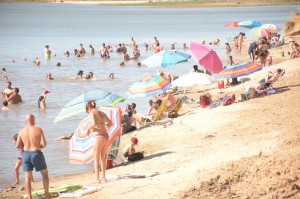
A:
(26, 28)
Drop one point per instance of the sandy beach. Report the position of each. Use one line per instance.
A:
(249, 149)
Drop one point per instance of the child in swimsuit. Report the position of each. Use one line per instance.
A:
(18, 162)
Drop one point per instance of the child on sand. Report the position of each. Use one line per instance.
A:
(18, 163)
(129, 151)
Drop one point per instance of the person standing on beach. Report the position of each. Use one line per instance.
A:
(31, 139)
(100, 122)
(252, 49)
(240, 41)
(47, 52)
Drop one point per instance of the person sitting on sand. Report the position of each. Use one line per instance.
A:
(5, 108)
(171, 101)
(14, 98)
(296, 51)
(130, 152)
(140, 118)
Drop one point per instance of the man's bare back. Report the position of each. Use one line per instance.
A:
(31, 138)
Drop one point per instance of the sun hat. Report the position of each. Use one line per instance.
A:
(134, 140)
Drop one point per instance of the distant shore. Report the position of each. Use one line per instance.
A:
(165, 3)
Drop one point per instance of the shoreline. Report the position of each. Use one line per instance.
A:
(213, 146)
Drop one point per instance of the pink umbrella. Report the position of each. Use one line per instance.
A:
(206, 57)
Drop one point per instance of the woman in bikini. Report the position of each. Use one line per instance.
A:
(100, 124)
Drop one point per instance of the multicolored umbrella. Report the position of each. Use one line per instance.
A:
(166, 58)
(259, 31)
(148, 86)
(232, 25)
(249, 24)
(206, 57)
(193, 79)
(240, 69)
(77, 105)
(81, 146)
(271, 28)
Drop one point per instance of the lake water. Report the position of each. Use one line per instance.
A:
(26, 28)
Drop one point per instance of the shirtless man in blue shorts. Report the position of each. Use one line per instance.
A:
(32, 140)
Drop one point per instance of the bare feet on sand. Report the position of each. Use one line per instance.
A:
(16, 183)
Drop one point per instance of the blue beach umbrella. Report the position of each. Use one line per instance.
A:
(77, 105)
(166, 58)
(249, 24)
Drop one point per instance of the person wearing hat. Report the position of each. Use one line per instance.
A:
(79, 75)
(129, 151)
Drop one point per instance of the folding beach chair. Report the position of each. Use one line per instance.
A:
(159, 114)
(113, 151)
(269, 85)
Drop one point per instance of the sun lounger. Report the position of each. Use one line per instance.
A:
(269, 85)
(159, 116)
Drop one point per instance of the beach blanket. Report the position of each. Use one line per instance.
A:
(84, 190)
(55, 190)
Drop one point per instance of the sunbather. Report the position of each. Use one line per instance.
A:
(140, 118)
(171, 101)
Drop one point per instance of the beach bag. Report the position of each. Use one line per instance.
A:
(229, 101)
(136, 156)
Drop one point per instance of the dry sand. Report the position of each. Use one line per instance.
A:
(249, 149)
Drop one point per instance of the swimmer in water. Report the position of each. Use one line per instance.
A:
(111, 76)
(49, 76)
(79, 75)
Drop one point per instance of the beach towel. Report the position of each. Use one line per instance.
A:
(84, 190)
(55, 190)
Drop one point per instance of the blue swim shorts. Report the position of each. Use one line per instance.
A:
(33, 159)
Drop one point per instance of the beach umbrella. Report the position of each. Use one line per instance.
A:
(271, 28)
(232, 25)
(206, 57)
(238, 70)
(259, 31)
(249, 24)
(148, 86)
(193, 79)
(77, 105)
(81, 145)
(166, 58)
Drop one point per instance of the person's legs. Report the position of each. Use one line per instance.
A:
(103, 151)
(17, 171)
(97, 144)
(28, 176)
(45, 182)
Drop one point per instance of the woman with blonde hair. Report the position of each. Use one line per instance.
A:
(100, 124)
